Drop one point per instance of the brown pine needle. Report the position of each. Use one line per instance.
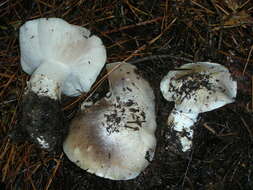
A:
(58, 162)
(209, 128)
(97, 85)
(247, 62)
(134, 25)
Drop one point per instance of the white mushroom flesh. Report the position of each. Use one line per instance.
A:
(115, 138)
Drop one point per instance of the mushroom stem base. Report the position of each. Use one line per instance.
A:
(41, 120)
(182, 124)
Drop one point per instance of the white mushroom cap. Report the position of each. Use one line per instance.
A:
(199, 87)
(196, 88)
(61, 52)
(115, 138)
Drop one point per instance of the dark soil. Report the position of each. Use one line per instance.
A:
(157, 36)
(41, 121)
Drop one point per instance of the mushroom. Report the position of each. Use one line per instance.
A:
(196, 88)
(115, 137)
(61, 58)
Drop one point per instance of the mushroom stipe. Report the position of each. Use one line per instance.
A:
(41, 121)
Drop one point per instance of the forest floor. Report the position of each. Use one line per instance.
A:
(164, 35)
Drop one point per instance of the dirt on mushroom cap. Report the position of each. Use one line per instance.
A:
(115, 138)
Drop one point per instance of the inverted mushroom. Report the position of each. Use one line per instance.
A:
(115, 138)
(196, 88)
(62, 58)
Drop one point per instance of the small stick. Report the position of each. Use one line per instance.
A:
(97, 85)
(58, 162)
(209, 128)
(187, 168)
(133, 25)
(151, 57)
(252, 93)
(248, 58)
(248, 128)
